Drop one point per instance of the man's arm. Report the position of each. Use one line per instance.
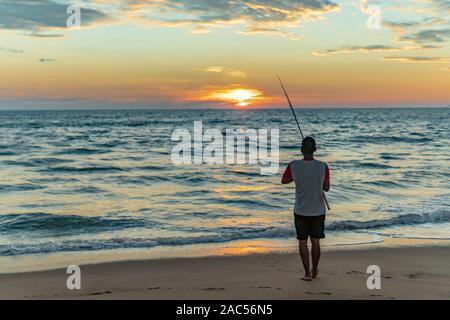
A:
(287, 176)
(326, 182)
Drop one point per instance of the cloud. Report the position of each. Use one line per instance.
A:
(44, 34)
(257, 16)
(251, 30)
(41, 15)
(373, 48)
(442, 4)
(45, 60)
(417, 59)
(423, 24)
(364, 49)
(402, 25)
(419, 21)
(431, 35)
(227, 71)
(414, 25)
(11, 50)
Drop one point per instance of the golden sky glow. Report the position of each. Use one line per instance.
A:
(211, 54)
(239, 97)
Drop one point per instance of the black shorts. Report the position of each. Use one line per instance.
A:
(309, 227)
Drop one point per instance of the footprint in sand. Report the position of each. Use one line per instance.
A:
(355, 272)
(100, 293)
(321, 293)
(415, 275)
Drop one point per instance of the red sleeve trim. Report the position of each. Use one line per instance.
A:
(327, 173)
(287, 175)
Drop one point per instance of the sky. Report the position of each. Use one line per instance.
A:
(223, 53)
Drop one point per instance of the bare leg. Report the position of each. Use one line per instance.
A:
(315, 253)
(304, 254)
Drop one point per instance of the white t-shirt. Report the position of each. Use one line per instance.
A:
(309, 177)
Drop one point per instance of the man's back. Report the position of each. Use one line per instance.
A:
(309, 177)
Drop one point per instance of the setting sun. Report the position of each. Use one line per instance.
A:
(239, 97)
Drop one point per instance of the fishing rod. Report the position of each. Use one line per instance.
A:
(299, 128)
(290, 105)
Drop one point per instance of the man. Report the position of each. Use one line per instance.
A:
(312, 178)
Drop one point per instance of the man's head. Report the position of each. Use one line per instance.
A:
(308, 146)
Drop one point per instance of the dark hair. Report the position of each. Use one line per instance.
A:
(308, 145)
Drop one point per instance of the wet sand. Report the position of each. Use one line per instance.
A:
(406, 273)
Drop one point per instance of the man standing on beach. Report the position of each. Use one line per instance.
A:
(312, 178)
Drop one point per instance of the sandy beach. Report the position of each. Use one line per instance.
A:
(406, 273)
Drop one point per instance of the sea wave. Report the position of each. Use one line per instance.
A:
(51, 224)
(64, 225)
(81, 151)
(84, 170)
(20, 187)
(130, 243)
(388, 139)
(436, 216)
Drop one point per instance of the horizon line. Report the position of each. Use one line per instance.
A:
(224, 109)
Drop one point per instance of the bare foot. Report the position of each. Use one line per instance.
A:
(315, 273)
(307, 276)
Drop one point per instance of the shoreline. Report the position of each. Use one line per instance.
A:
(412, 271)
(58, 260)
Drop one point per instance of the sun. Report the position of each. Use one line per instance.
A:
(239, 97)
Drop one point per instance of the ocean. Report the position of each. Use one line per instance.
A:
(95, 181)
